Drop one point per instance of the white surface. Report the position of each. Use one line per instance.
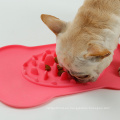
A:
(20, 24)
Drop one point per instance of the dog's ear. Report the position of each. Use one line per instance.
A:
(55, 24)
(96, 51)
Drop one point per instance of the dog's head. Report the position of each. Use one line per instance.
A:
(79, 51)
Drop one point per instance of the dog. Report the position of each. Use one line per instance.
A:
(85, 46)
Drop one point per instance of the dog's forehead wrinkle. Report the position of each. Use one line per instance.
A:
(80, 61)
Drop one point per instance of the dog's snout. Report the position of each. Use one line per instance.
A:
(84, 76)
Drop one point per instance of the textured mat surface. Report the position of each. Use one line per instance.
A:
(24, 82)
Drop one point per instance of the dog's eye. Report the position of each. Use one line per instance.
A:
(84, 76)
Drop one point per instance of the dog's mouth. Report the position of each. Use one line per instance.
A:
(81, 79)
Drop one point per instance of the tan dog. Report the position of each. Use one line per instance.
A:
(85, 46)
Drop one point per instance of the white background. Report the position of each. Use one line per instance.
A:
(20, 24)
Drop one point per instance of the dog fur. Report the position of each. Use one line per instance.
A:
(85, 46)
